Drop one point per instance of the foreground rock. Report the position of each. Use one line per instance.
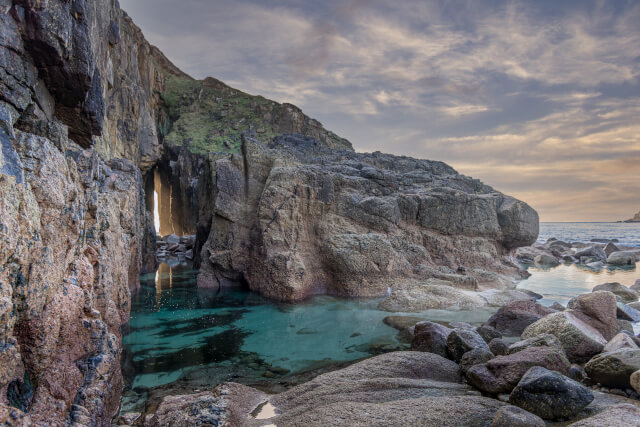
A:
(617, 415)
(579, 340)
(614, 369)
(431, 337)
(550, 395)
(598, 309)
(500, 375)
(513, 318)
(512, 416)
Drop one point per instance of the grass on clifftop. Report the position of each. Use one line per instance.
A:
(209, 116)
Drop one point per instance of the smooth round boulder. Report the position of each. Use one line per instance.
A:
(579, 340)
(512, 416)
(622, 258)
(550, 395)
(614, 369)
(460, 341)
(430, 337)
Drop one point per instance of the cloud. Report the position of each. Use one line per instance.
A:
(549, 91)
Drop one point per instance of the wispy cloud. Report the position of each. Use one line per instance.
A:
(546, 90)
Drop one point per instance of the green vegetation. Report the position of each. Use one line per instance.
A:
(208, 116)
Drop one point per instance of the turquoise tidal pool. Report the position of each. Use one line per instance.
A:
(181, 339)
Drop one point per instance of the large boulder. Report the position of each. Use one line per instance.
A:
(616, 288)
(598, 309)
(512, 416)
(462, 340)
(513, 318)
(430, 337)
(501, 374)
(614, 369)
(579, 340)
(626, 312)
(550, 395)
(623, 414)
(544, 340)
(622, 258)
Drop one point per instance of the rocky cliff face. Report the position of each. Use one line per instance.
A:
(296, 218)
(90, 113)
(636, 218)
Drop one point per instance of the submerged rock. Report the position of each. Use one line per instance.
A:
(550, 395)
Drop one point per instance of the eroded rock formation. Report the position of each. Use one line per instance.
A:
(89, 112)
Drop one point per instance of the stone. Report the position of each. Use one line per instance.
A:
(430, 337)
(619, 342)
(498, 346)
(622, 258)
(550, 395)
(614, 369)
(404, 325)
(171, 239)
(635, 381)
(616, 288)
(577, 373)
(617, 415)
(512, 416)
(597, 309)
(546, 260)
(557, 306)
(474, 357)
(431, 294)
(610, 247)
(636, 286)
(579, 340)
(513, 318)
(461, 341)
(488, 333)
(626, 312)
(544, 340)
(593, 252)
(501, 374)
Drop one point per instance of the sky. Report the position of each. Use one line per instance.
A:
(539, 99)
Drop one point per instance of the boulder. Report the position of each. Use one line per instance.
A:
(513, 318)
(488, 333)
(619, 342)
(498, 346)
(625, 312)
(579, 340)
(635, 381)
(557, 306)
(594, 252)
(636, 286)
(404, 325)
(171, 239)
(512, 416)
(614, 369)
(461, 341)
(501, 374)
(616, 288)
(546, 260)
(623, 414)
(610, 248)
(550, 395)
(430, 337)
(474, 357)
(544, 340)
(598, 309)
(624, 326)
(622, 258)
(415, 296)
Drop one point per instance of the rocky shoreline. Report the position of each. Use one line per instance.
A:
(527, 365)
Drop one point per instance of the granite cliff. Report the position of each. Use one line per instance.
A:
(636, 218)
(92, 117)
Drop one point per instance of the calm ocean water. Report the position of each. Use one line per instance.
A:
(626, 233)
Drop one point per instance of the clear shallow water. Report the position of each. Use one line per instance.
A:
(182, 336)
(627, 233)
(183, 339)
